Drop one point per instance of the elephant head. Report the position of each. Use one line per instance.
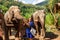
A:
(15, 12)
(12, 14)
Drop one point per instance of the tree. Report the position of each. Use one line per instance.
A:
(50, 6)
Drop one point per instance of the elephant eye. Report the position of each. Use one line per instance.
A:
(12, 11)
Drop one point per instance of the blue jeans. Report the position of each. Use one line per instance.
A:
(28, 33)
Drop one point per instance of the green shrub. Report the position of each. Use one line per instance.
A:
(49, 19)
(48, 28)
(59, 20)
(3, 8)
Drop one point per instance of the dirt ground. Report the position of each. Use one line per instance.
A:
(55, 35)
(58, 35)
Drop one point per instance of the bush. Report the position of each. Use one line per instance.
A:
(48, 28)
(3, 8)
(59, 21)
(49, 19)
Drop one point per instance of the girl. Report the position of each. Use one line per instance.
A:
(28, 32)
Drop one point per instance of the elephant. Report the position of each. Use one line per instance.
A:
(12, 19)
(39, 21)
(12, 12)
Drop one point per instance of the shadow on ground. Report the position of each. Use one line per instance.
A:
(51, 35)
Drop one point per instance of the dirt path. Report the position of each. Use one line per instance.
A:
(58, 33)
(50, 35)
(58, 38)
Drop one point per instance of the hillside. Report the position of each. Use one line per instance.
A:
(42, 3)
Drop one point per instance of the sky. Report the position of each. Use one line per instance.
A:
(31, 1)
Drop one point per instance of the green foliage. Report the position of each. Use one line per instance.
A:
(26, 9)
(49, 19)
(48, 28)
(59, 21)
(27, 15)
(3, 8)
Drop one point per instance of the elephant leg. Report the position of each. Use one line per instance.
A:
(42, 30)
(37, 34)
(42, 35)
(36, 27)
(10, 31)
(6, 33)
(17, 34)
